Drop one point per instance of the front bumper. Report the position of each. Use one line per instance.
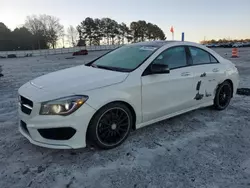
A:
(79, 121)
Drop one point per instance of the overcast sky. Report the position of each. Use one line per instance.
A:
(197, 18)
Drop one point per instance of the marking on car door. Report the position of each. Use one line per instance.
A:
(198, 96)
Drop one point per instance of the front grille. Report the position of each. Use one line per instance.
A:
(64, 133)
(26, 105)
(24, 127)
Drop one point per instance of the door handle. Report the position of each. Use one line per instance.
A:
(203, 75)
(215, 70)
(185, 74)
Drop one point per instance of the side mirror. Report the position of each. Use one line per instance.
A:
(159, 69)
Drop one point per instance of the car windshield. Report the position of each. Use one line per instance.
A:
(126, 58)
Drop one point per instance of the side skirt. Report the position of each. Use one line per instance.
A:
(173, 114)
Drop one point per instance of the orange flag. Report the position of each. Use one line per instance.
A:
(172, 29)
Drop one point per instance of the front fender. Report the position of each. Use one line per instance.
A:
(130, 95)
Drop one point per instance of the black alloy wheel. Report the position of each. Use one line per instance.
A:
(110, 126)
(223, 96)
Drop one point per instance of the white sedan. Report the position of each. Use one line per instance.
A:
(99, 103)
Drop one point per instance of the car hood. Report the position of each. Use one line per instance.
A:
(72, 81)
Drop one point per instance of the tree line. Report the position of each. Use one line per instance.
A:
(44, 31)
(38, 32)
(94, 31)
(20, 38)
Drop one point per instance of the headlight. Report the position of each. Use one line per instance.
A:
(62, 106)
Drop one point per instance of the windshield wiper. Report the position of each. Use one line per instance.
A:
(111, 68)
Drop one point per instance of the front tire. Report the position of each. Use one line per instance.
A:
(223, 96)
(110, 126)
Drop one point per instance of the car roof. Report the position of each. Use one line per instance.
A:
(156, 43)
(160, 43)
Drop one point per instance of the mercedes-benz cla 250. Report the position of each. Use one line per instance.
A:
(99, 103)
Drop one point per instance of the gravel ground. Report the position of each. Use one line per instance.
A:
(203, 148)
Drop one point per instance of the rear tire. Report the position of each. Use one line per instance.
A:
(110, 126)
(223, 96)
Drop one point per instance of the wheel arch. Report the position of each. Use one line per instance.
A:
(229, 81)
(130, 107)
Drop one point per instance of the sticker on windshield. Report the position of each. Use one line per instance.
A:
(149, 48)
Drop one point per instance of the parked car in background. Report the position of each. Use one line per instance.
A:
(81, 52)
(227, 45)
(99, 103)
(210, 45)
(237, 45)
(246, 44)
(11, 56)
(213, 45)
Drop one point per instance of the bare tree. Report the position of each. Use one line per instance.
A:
(52, 28)
(35, 26)
(72, 35)
(46, 26)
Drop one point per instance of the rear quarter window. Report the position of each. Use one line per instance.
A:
(213, 60)
(200, 56)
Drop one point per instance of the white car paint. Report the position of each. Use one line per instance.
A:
(179, 95)
(152, 97)
(52, 86)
